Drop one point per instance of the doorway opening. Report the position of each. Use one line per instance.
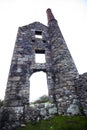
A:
(38, 86)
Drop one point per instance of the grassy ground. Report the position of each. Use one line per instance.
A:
(59, 123)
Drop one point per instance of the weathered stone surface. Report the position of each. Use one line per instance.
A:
(67, 90)
(52, 111)
(73, 110)
(15, 78)
(8, 119)
(81, 89)
(43, 112)
(37, 113)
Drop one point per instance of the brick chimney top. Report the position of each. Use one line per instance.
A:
(50, 15)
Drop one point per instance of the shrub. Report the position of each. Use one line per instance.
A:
(42, 99)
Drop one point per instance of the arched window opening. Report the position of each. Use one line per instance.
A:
(38, 85)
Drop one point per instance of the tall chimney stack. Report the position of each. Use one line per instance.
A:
(50, 15)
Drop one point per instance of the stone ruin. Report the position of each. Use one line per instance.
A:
(67, 89)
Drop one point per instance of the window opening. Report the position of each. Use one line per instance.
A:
(44, 41)
(38, 34)
(33, 40)
(38, 85)
(40, 56)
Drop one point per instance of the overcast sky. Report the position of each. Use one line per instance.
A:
(72, 19)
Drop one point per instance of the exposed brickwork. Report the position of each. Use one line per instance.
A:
(59, 67)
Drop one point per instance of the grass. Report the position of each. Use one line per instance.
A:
(59, 123)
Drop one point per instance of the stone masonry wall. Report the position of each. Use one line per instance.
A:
(59, 67)
(64, 69)
(81, 88)
(24, 65)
